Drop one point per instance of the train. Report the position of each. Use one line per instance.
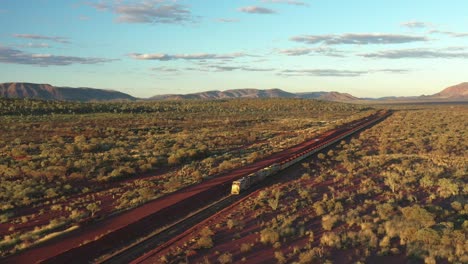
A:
(247, 181)
(253, 178)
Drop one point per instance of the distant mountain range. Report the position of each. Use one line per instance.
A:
(228, 94)
(255, 93)
(48, 92)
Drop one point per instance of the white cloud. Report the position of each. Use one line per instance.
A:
(14, 56)
(35, 45)
(324, 51)
(322, 73)
(358, 39)
(449, 33)
(289, 2)
(418, 54)
(196, 56)
(51, 38)
(336, 73)
(166, 70)
(396, 71)
(148, 11)
(256, 10)
(213, 68)
(415, 24)
(240, 68)
(227, 20)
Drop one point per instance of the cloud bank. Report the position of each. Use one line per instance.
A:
(148, 11)
(417, 54)
(358, 39)
(14, 56)
(42, 37)
(323, 51)
(336, 73)
(449, 33)
(197, 56)
(322, 73)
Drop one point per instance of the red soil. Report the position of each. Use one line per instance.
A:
(247, 229)
(116, 230)
(249, 225)
(106, 196)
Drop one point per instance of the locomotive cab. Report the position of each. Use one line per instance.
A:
(239, 185)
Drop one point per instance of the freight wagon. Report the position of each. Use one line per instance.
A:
(245, 182)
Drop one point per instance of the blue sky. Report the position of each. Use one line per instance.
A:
(366, 48)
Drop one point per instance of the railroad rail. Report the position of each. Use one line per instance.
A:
(177, 232)
(115, 232)
(128, 254)
(182, 234)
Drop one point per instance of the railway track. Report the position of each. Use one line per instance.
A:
(166, 238)
(163, 239)
(158, 238)
(164, 214)
(238, 199)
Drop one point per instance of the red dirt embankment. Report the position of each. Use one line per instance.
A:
(115, 231)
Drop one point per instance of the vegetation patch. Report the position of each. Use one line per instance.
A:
(396, 192)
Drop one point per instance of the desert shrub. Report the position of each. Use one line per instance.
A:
(456, 206)
(310, 233)
(305, 176)
(225, 258)
(447, 188)
(280, 257)
(304, 193)
(274, 202)
(93, 208)
(384, 210)
(330, 239)
(205, 242)
(245, 247)
(318, 207)
(418, 216)
(78, 214)
(306, 257)
(269, 236)
(206, 231)
(230, 223)
(226, 165)
(5, 216)
(328, 221)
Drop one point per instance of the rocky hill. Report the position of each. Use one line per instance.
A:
(49, 92)
(256, 93)
(459, 91)
(456, 93)
(228, 94)
(336, 96)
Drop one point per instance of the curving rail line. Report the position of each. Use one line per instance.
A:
(115, 232)
(184, 232)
